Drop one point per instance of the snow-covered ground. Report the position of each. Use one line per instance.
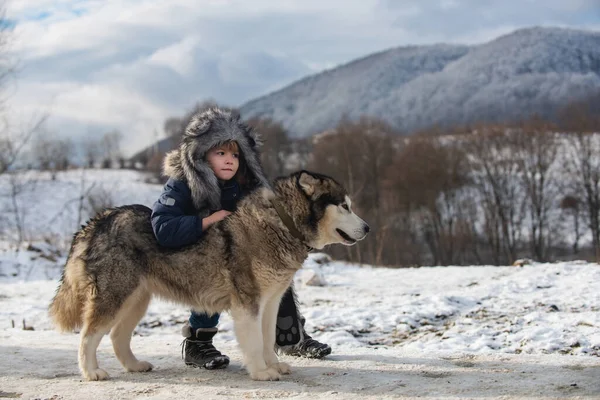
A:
(510, 332)
(52, 209)
(436, 332)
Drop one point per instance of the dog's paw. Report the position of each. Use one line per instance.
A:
(97, 374)
(140, 366)
(282, 368)
(269, 374)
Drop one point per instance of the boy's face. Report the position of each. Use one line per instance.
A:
(223, 162)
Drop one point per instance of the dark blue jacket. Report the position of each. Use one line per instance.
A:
(175, 220)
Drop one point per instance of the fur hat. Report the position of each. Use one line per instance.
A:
(208, 129)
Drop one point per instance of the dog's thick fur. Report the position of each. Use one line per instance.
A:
(243, 264)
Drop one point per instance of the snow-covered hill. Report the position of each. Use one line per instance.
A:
(530, 71)
(51, 208)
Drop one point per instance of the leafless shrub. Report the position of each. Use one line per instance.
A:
(99, 199)
(53, 154)
(276, 148)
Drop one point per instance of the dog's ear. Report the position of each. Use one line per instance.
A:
(308, 183)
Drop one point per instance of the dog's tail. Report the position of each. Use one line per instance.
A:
(66, 309)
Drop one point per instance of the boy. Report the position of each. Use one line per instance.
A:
(217, 162)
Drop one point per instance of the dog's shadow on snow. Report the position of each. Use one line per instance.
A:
(368, 374)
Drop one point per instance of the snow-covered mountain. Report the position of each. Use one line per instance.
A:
(529, 71)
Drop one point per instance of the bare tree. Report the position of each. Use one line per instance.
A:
(53, 154)
(92, 152)
(358, 154)
(582, 162)
(16, 192)
(583, 165)
(537, 150)
(64, 154)
(405, 246)
(572, 206)
(16, 187)
(43, 153)
(276, 148)
(110, 143)
(430, 175)
(11, 144)
(492, 152)
(13, 139)
(155, 167)
(301, 150)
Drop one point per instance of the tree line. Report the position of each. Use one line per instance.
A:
(482, 194)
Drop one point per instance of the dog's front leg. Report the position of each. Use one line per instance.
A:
(269, 321)
(248, 331)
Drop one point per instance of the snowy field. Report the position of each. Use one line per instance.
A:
(441, 332)
(436, 332)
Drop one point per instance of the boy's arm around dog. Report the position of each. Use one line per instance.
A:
(174, 220)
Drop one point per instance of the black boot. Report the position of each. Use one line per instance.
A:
(291, 338)
(198, 349)
(309, 348)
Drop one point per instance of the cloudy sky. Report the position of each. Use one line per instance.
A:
(98, 65)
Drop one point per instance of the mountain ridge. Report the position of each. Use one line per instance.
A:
(529, 71)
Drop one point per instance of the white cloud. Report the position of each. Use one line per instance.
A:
(178, 56)
(91, 105)
(128, 64)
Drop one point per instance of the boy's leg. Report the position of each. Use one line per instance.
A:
(291, 338)
(203, 320)
(198, 348)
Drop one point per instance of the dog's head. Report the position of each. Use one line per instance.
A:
(321, 210)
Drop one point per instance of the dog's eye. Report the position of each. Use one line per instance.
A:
(345, 207)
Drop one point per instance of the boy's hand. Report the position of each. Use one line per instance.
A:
(219, 215)
(214, 217)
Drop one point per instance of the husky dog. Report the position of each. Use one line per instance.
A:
(243, 265)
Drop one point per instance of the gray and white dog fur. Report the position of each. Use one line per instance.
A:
(242, 265)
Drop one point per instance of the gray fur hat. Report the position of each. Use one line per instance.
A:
(208, 129)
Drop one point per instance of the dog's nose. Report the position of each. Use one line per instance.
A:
(366, 229)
